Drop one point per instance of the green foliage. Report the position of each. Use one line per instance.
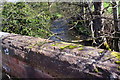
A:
(57, 15)
(106, 4)
(79, 27)
(82, 29)
(30, 19)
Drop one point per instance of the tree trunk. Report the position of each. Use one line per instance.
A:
(116, 24)
(97, 22)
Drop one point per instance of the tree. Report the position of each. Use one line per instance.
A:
(97, 21)
(116, 24)
(22, 18)
(1, 7)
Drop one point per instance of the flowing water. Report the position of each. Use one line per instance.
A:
(64, 31)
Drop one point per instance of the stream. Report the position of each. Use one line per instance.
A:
(62, 29)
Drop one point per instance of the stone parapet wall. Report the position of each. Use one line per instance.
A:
(30, 57)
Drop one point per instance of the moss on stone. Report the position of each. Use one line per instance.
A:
(81, 48)
(69, 47)
(72, 46)
(80, 45)
(63, 47)
(101, 51)
(30, 46)
(119, 68)
(96, 70)
(117, 62)
(116, 54)
(55, 44)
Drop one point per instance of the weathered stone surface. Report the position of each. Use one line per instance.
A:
(58, 59)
